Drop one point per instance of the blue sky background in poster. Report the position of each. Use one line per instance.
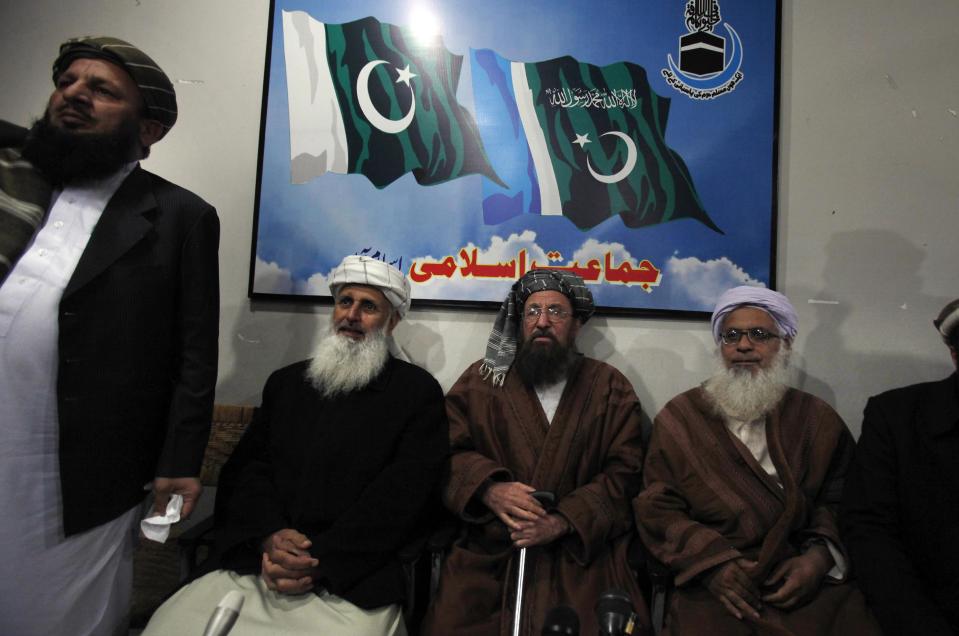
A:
(727, 143)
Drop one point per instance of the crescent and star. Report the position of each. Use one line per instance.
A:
(582, 140)
(387, 125)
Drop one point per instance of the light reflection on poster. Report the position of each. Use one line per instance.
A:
(630, 142)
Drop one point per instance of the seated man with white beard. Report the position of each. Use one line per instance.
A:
(743, 477)
(329, 481)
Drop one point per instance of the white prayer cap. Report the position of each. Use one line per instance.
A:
(948, 320)
(363, 270)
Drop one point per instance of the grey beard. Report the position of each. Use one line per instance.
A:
(341, 365)
(738, 394)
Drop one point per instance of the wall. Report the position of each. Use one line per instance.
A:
(868, 191)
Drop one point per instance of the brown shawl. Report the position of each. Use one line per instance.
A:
(590, 456)
(707, 500)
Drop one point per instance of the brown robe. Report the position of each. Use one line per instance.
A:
(590, 456)
(707, 501)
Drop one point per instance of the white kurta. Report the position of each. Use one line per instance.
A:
(51, 584)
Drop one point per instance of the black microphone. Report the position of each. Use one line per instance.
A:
(613, 610)
(221, 622)
(562, 619)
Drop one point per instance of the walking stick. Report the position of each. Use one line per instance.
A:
(546, 499)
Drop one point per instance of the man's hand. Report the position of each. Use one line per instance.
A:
(512, 503)
(542, 531)
(287, 565)
(731, 584)
(163, 487)
(799, 578)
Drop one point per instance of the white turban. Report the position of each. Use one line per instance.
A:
(948, 320)
(773, 303)
(363, 270)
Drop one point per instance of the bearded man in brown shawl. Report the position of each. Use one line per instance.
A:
(549, 420)
(743, 478)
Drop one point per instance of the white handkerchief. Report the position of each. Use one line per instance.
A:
(157, 527)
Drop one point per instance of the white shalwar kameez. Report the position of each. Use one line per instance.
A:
(51, 585)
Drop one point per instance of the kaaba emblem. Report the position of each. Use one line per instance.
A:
(703, 72)
(702, 52)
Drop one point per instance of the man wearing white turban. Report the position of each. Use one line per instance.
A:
(743, 476)
(331, 479)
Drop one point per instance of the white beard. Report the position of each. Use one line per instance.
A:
(740, 395)
(342, 365)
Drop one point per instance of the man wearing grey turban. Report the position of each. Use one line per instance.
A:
(109, 307)
(743, 478)
(536, 415)
(331, 479)
(901, 502)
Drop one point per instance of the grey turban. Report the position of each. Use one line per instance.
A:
(155, 87)
(773, 303)
(501, 346)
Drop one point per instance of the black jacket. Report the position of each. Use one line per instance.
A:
(356, 474)
(901, 508)
(138, 325)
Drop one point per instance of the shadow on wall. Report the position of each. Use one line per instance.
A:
(862, 326)
(269, 336)
(664, 369)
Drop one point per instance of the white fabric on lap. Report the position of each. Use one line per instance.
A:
(268, 612)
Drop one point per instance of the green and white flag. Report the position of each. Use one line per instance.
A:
(366, 98)
(579, 140)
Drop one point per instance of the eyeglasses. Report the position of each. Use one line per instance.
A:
(554, 313)
(756, 335)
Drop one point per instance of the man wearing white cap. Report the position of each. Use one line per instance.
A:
(743, 476)
(330, 480)
(901, 503)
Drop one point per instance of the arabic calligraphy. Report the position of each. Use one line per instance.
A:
(592, 97)
(381, 256)
(644, 274)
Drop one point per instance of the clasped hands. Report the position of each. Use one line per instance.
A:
(287, 566)
(529, 524)
(793, 583)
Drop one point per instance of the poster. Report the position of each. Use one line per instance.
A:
(632, 142)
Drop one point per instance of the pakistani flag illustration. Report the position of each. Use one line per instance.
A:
(366, 98)
(578, 140)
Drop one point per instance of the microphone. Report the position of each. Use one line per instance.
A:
(613, 611)
(563, 620)
(221, 622)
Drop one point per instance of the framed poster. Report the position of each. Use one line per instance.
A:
(631, 141)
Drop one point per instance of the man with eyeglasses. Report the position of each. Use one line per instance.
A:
(901, 502)
(536, 415)
(743, 477)
(331, 479)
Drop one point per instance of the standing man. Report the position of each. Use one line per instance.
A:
(332, 478)
(743, 479)
(549, 420)
(108, 339)
(901, 502)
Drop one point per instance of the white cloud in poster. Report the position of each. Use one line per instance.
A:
(315, 285)
(270, 278)
(701, 282)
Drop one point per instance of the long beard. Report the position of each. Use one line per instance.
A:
(739, 394)
(543, 365)
(65, 156)
(342, 365)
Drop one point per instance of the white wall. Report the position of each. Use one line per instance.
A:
(869, 191)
